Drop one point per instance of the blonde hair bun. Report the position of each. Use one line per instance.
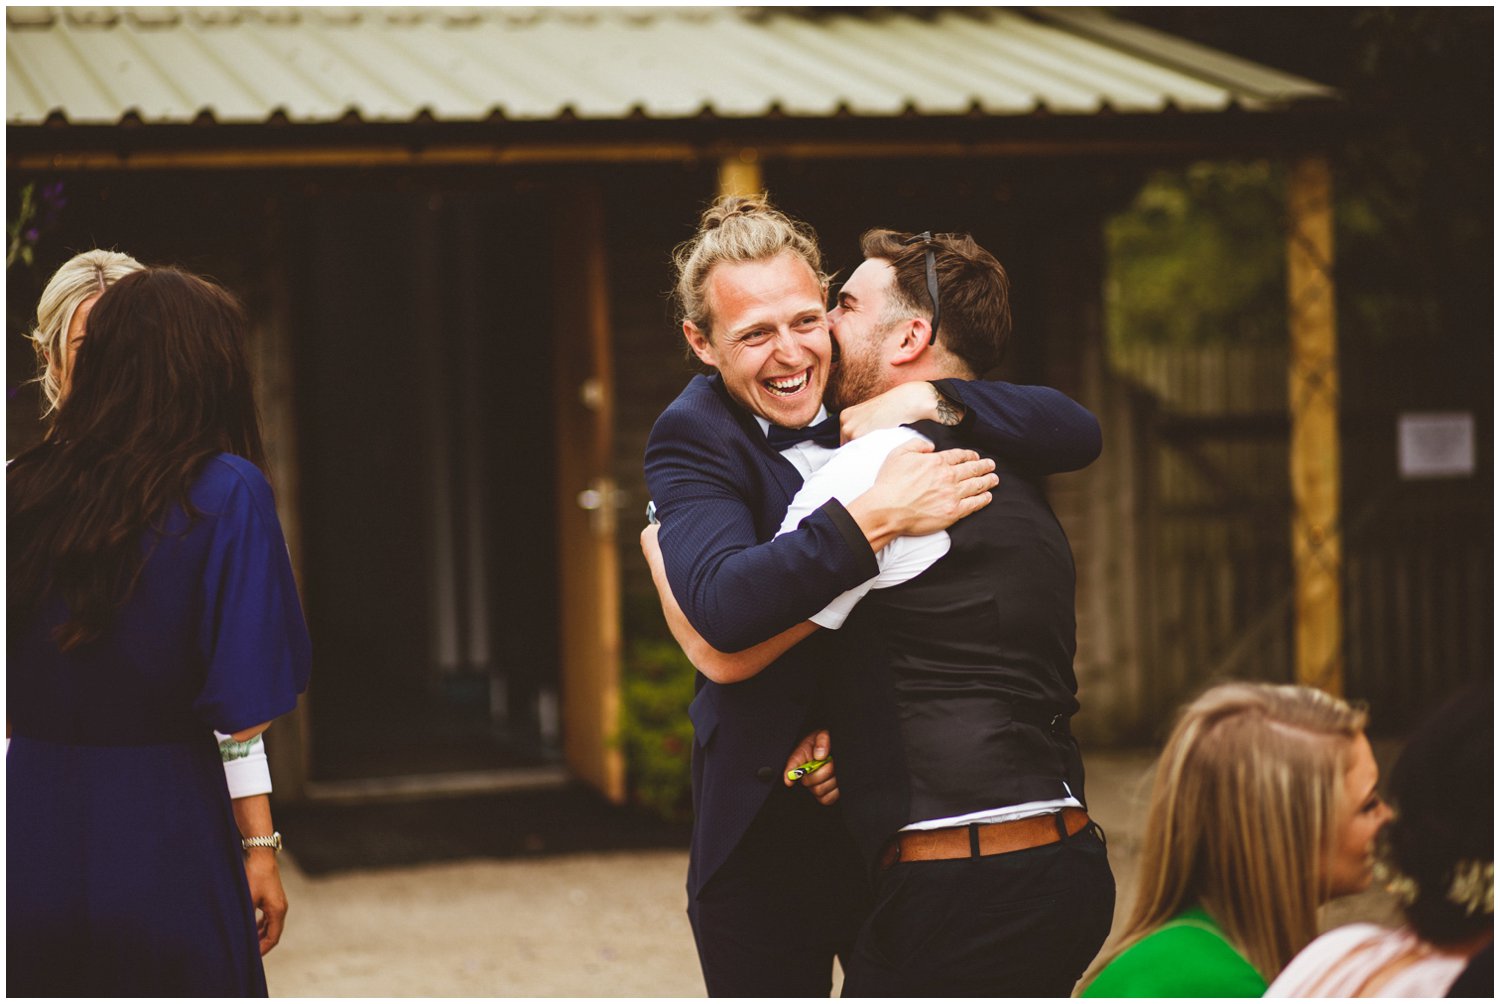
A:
(731, 206)
(733, 230)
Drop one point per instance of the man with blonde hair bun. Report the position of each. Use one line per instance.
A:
(775, 886)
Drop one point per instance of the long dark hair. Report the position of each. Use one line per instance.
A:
(161, 385)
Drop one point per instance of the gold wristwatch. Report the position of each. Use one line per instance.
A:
(273, 842)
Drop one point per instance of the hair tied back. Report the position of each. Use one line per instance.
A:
(725, 209)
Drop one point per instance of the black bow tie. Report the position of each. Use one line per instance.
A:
(825, 433)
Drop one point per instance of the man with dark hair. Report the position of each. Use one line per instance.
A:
(953, 686)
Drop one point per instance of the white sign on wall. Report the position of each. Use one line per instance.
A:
(1435, 444)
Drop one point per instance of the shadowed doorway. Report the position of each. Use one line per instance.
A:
(426, 464)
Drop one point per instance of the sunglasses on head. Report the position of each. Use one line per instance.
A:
(925, 239)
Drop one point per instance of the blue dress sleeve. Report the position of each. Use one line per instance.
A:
(1039, 428)
(251, 635)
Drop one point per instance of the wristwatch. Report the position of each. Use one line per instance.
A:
(273, 842)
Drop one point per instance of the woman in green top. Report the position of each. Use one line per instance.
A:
(1263, 808)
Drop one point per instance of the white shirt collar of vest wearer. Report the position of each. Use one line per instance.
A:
(765, 423)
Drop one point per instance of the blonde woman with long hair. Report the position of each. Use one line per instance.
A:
(1263, 808)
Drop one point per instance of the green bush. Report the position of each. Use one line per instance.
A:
(1199, 258)
(655, 730)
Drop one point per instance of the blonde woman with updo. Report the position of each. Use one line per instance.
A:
(63, 311)
(1263, 808)
(1438, 858)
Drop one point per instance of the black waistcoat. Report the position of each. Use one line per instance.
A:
(942, 699)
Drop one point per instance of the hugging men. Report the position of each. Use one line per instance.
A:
(947, 692)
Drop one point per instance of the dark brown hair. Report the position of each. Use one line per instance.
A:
(162, 384)
(973, 291)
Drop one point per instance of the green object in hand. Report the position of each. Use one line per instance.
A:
(798, 773)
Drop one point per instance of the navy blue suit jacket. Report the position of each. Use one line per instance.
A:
(721, 493)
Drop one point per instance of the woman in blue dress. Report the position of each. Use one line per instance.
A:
(150, 600)
(61, 315)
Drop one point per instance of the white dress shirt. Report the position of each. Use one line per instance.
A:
(845, 475)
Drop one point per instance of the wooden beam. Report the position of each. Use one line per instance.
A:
(739, 173)
(395, 155)
(1313, 384)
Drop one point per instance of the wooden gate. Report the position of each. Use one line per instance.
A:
(1215, 547)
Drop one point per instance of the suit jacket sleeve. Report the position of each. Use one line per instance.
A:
(1038, 428)
(714, 508)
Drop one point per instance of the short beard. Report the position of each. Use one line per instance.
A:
(854, 380)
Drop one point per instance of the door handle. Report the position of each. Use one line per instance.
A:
(601, 500)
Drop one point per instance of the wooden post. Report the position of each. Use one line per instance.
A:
(588, 551)
(739, 173)
(1317, 547)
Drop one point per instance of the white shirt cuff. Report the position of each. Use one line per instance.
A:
(247, 774)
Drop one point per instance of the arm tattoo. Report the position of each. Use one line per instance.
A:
(948, 413)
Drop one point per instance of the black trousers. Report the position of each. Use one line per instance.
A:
(1023, 924)
(789, 899)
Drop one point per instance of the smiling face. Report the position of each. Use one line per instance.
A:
(770, 337)
(1360, 814)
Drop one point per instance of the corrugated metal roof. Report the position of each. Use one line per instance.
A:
(97, 65)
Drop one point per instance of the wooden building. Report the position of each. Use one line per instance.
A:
(452, 227)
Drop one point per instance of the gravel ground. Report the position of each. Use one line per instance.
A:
(578, 925)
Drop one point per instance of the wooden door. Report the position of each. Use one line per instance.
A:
(588, 560)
